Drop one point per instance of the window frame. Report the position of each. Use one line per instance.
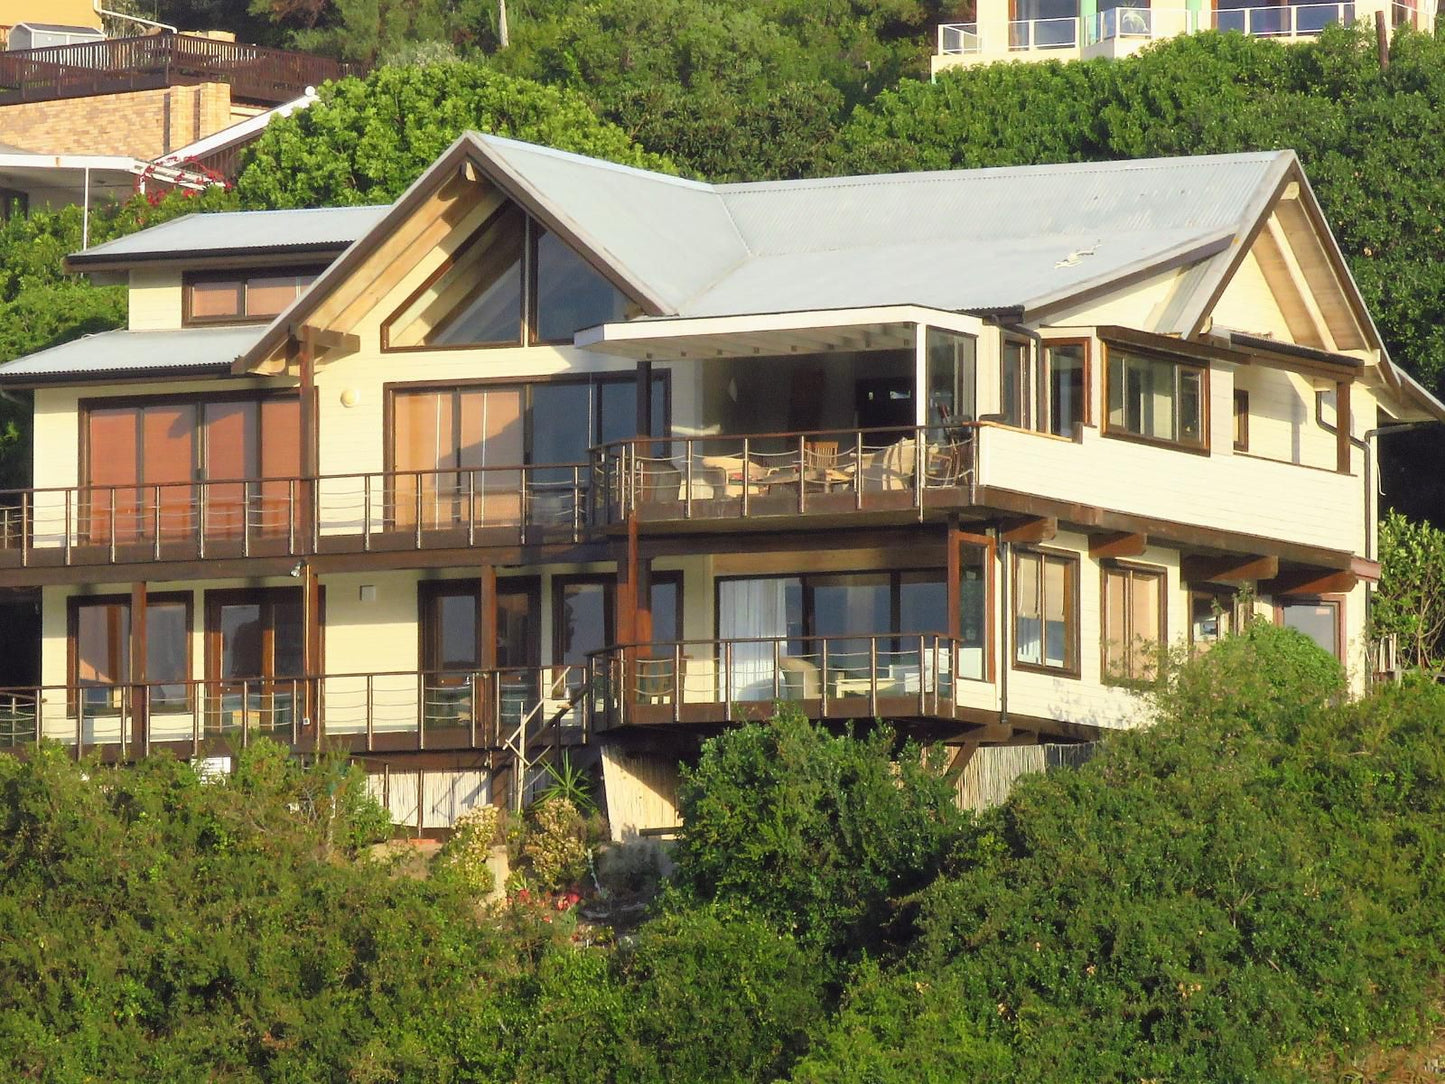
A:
(73, 606)
(1335, 602)
(429, 590)
(1115, 432)
(1132, 570)
(266, 597)
(1027, 375)
(1241, 420)
(608, 580)
(1228, 601)
(1045, 371)
(190, 278)
(1072, 648)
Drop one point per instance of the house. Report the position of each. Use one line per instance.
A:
(1085, 29)
(554, 454)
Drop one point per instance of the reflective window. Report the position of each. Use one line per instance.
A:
(1318, 619)
(1046, 619)
(1133, 621)
(570, 294)
(1159, 399)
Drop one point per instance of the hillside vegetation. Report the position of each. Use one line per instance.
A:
(1248, 891)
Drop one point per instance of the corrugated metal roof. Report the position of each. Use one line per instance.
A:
(957, 240)
(126, 353)
(239, 231)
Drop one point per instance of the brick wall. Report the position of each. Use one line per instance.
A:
(142, 124)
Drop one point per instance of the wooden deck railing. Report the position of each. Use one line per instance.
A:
(506, 709)
(227, 519)
(782, 474)
(255, 73)
(845, 676)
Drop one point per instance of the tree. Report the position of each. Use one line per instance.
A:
(366, 140)
(1410, 602)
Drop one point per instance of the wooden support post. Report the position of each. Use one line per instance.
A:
(1343, 427)
(312, 663)
(139, 651)
(644, 400)
(1382, 40)
(628, 573)
(487, 619)
(309, 456)
(953, 559)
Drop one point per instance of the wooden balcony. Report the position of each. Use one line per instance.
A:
(293, 517)
(928, 678)
(151, 61)
(486, 710)
(747, 480)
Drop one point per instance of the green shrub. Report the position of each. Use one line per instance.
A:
(813, 832)
(464, 857)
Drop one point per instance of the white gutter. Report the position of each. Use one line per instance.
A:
(236, 132)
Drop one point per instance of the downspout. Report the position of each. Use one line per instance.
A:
(105, 13)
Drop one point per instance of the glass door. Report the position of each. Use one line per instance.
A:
(255, 660)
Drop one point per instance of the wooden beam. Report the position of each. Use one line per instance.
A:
(958, 759)
(1229, 569)
(139, 651)
(1035, 529)
(1117, 544)
(308, 437)
(487, 618)
(325, 340)
(1315, 581)
(1300, 283)
(1343, 427)
(953, 561)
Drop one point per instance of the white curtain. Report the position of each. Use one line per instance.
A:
(746, 609)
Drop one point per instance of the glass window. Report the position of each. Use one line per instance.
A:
(583, 616)
(1046, 610)
(1241, 421)
(258, 634)
(1133, 622)
(571, 295)
(244, 297)
(1319, 619)
(1156, 398)
(951, 380)
(101, 649)
(1014, 384)
(1064, 388)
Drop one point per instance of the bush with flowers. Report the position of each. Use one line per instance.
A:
(463, 859)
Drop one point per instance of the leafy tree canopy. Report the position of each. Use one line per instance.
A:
(366, 140)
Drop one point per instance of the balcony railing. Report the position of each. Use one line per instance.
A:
(957, 39)
(782, 474)
(1043, 34)
(372, 712)
(1142, 23)
(701, 681)
(1292, 21)
(183, 521)
(152, 61)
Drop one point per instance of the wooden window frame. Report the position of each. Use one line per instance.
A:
(1334, 601)
(1027, 392)
(1228, 601)
(1130, 569)
(391, 390)
(429, 590)
(1045, 368)
(73, 606)
(265, 596)
(608, 580)
(1072, 652)
(1116, 433)
(191, 278)
(1241, 420)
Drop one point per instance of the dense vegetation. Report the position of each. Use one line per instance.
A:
(1244, 892)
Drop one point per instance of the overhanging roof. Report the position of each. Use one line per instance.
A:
(131, 354)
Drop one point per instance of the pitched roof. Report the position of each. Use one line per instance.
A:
(136, 353)
(324, 230)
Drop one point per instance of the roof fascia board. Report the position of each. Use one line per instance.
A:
(520, 190)
(1194, 316)
(634, 331)
(1189, 252)
(279, 330)
(1191, 349)
(29, 381)
(215, 259)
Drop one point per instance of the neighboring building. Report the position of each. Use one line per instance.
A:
(559, 453)
(1085, 29)
(76, 14)
(147, 97)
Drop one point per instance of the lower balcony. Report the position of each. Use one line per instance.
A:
(931, 678)
(511, 709)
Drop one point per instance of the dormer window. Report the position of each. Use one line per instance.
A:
(242, 297)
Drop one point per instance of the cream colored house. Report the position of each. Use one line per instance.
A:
(1086, 29)
(555, 453)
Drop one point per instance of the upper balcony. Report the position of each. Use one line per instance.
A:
(152, 61)
(1120, 31)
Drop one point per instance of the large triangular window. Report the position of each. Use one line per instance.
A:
(510, 282)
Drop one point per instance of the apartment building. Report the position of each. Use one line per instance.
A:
(554, 454)
(995, 30)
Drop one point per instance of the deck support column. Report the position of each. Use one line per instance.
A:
(139, 650)
(312, 662)
(954, 564)
(307, 497)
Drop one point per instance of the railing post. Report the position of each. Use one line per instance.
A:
(113, 525)
(747, 474)
(777, 669)
(923, 677)
(198, 708)
(576, 504)
(25, 518)
(677, 682)
(803, 474)
(370, 711)
(873, 676)
(687, 500)
(471, 508)
(823, 685)
(523, 506)
(79, 721)
(472, 699)
(858, 469)
(727, 676)
(416, 479)
(420, 710)
(156, 522)
(68, 523)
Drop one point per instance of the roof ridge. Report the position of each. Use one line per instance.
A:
(593, 163)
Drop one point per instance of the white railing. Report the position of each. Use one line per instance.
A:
(955, 39)
(1043, 34)
(1293, 21)
(1141, 22)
